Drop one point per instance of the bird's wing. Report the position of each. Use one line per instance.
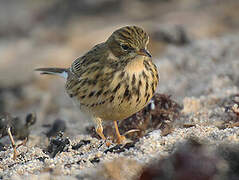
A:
(92, 57)
(86, 72)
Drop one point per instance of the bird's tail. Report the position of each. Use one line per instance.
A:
(54, 71)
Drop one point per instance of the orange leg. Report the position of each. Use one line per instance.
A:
(99, 130)
(120, 138)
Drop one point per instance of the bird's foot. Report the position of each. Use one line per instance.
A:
(120, 139)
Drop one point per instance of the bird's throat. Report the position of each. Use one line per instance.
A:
(136, 65)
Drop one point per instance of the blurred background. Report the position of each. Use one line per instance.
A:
(52, 33)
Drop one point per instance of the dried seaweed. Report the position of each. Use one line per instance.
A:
(57, 145)
(231, 106)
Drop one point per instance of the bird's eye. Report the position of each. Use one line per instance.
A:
(125, 47)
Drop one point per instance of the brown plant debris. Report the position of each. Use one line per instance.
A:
(231, 106)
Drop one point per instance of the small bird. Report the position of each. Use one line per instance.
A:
(114, 80)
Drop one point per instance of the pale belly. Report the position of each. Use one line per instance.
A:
(113, 111)
(117, 111)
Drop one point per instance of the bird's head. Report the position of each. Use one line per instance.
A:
(129, 42)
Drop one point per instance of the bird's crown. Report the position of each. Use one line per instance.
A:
(128, 39)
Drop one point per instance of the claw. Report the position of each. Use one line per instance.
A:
(131, 131)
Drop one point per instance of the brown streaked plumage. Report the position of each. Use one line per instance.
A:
(114, 80)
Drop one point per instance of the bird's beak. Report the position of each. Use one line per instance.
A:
(144, 52)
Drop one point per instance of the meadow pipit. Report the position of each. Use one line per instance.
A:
(114, 80)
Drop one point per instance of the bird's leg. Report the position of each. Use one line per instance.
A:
(15, 154)
(99, 130)
(120, 138)
(23, 143)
